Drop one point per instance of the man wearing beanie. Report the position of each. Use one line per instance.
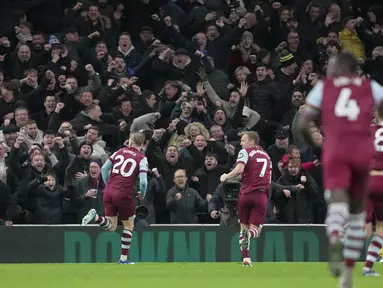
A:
(79, 167)
(90, 190)
(285, 76)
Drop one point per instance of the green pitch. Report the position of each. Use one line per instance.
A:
(185, 275)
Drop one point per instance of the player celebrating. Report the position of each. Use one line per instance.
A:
(255, 166)
(345, 102)
(375, 200)
(125, 165)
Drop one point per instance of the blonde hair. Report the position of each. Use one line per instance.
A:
(201, 128)
(137, 138)
(252, 135)
(244, 69)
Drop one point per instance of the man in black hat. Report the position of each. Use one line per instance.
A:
(8, 136)
(277, 150)
(146, 38)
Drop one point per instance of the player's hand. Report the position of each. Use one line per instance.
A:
(223, 177)
(178, 196)
(301, 108)
(92, 193)
(300, 187)
(214, 214)
(287, 193)
(140, 196)
(208, 197)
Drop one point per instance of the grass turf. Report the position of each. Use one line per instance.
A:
(185, 275)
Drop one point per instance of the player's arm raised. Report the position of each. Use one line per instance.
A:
(241, 162)
(310, 112)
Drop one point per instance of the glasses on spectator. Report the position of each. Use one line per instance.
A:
(180, 177)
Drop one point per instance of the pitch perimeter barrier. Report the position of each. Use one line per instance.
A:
(160, 243)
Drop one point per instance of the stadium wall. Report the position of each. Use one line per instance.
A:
(202, 243)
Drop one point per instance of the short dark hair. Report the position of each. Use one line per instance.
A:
(211, 154)
(51, 173)
(30, 122)
(49, 132)
(147, 94)
(95, 128)
(124, 34)
(21, 108)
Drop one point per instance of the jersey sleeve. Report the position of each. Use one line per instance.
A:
(111, 157)
(377, 92)
(144, 165)
(243, 157)
(315, 96)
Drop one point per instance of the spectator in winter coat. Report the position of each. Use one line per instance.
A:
(183, 202)
(295, 208)
(48, 196)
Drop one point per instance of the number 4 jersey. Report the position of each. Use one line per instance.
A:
(127, 162)
(257, 172)
(346, 105)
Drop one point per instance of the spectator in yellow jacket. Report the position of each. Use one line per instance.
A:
(350, 40)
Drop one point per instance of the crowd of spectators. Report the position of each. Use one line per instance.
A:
(77, 77)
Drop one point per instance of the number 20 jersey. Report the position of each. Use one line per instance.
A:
(127, 162)
(346, 105)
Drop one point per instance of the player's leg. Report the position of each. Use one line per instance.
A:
(355, 234)
(244, 240)
(258, 214)
(376, 245)
(127, 215)
(374, 250)
(109, 222)
(337, 195)
(337, 217)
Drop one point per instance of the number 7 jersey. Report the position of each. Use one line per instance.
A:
(127, 162)
(346, 106)
(257, 172)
